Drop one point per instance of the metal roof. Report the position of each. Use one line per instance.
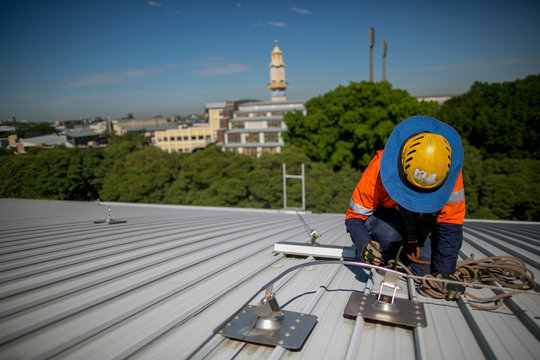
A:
(82, 132)
(159, 285)
(51, 139)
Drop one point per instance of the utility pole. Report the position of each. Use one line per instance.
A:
(371, 43)
(384, 45)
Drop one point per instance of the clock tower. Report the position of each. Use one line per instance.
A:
(277, 75)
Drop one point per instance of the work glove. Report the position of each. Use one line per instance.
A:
(454, 291)
(371, 252)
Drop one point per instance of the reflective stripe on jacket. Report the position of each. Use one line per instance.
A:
(370, 193)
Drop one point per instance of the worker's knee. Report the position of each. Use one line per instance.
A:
(383, 227)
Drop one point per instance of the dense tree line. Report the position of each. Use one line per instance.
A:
(335, 141)
(130, 170)
(500, 119)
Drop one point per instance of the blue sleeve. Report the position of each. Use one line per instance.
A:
(448, 241)
(358, 231)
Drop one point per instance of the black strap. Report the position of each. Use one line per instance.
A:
(416, 227)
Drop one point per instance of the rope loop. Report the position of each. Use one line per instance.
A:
(507, 271)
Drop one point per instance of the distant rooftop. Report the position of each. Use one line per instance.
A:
(81, 132)
(51, 139)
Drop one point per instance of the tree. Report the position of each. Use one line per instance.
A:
(502, 120)
(348, 124)
(142, 177)
(52, 174)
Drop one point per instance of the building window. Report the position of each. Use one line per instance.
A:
(237, 124)
(178, 138)
(277, 113)
(252, 138)
(271, 137)
(269, 150)
(234, 138)
(259, 114)
(186, 138)
(245, 115)
(250, 151)
(274, 123)
(201, 137)
(193, 137)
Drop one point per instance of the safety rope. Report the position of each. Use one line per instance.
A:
(306, 226)
(413, 254)
(510, 273)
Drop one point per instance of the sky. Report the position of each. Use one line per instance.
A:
(72, 59)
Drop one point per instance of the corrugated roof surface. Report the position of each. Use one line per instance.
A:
(157, 286)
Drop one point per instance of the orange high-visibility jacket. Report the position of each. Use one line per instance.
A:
(370, 193)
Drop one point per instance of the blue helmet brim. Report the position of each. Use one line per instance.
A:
(420, 202)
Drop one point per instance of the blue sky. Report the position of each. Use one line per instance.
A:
(71, 59)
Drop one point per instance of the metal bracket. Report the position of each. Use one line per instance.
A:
(109, 220)
(267, 324)
(314, 236)
(387, 308)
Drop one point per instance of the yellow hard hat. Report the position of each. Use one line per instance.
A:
(425, 161)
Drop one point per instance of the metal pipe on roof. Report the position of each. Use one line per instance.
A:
(418, 333)
(354, 343)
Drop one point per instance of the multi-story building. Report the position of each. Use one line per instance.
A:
(188, 139)
(257, 128)
(249, 127)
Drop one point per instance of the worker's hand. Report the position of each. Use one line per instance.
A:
(454, 291)
(371, 252)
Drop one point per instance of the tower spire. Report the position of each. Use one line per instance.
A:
(277, 75)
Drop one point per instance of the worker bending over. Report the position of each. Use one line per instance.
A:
(410, 203)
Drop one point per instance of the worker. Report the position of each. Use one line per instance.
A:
(409, 203)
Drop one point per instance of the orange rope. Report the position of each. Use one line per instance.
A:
(414, 257)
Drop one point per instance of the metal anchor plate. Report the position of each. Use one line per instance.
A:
(291, 334)
(400, 311)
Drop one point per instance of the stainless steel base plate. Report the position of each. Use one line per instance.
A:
(293, 331)
(402, 311)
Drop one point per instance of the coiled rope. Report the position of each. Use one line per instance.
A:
(504, 272)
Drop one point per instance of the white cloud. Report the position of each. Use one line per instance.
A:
(154, 3)
(276, 23)
(300, 10)
(269, 23)
(124, 76)
(217, 67)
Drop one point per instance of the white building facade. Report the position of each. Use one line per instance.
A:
(257, 128)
